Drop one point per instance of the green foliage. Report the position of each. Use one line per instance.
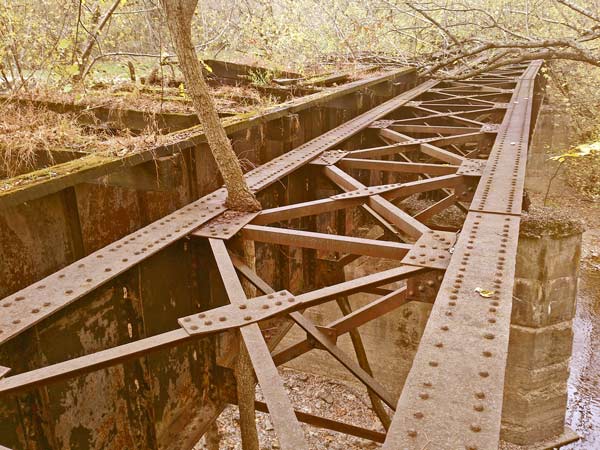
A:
(261, 77)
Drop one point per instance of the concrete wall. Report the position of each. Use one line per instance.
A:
(541, 336)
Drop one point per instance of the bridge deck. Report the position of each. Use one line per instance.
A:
(464, 143)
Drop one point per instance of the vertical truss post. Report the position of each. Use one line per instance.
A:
(286, 424)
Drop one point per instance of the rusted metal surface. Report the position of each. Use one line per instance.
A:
(467, 333)
(466, 337)
(433, 249)
(288, 429)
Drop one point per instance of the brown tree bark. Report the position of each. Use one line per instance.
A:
(179, 20)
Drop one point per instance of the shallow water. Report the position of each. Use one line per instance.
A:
(583, 414)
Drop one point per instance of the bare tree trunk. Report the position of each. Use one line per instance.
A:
(212, 438)
(179, 20)
(244, 372)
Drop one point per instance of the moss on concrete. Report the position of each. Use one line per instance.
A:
(551, 222)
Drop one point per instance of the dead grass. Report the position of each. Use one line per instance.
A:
(33, 137)
(152, 99)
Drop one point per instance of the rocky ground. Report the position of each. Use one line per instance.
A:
(312, 394)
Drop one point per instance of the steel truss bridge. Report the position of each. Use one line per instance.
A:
(463, 144)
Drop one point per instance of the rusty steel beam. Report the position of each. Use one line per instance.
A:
(329, 424)
(433, 129)
(95, 361)
(287, 428)
(386, 150)
(34, 303)
(466, 337)
(437, 207)
(381, 206)
(329, 345)
(345, 324)
(397, 166)
(428, 149)
(325, 341)
(326, 242)
(297, 210)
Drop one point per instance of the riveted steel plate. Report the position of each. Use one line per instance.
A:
(38, 301)
(414, 104)
(501, 187)
(4, 371)
(32, 304)
(382, 123)
(329, 158)
(226, 225)
(490, 128)
(238, 314)
(466, 337)
(367, 191)
(433, 249)
(472, 167)
(466, 340)
(500, 105)
(283, 165)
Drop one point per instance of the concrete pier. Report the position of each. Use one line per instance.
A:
(535, 395)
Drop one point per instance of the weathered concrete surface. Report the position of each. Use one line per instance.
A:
(541, 336)
(552, 134)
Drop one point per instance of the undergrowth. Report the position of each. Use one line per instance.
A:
(32, 136)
